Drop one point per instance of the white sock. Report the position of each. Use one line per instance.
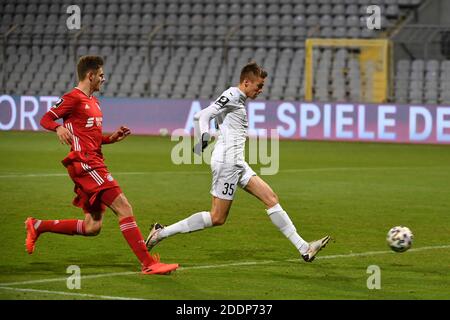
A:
(197, 221)
(281, 219)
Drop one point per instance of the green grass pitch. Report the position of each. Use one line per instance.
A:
(352, 191)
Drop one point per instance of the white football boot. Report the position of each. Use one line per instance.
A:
(152, 239)
(314, 248)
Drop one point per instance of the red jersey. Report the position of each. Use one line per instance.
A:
(82, 116)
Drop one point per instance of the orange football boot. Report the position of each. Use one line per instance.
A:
(32, 235)
(158, 267)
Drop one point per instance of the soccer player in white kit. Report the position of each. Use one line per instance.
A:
(230, 170)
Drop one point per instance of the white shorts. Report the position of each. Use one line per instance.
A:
(226, 177)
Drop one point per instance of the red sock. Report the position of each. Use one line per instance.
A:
(133, 235)
(69, 227)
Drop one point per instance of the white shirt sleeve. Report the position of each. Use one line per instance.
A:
(203, 117)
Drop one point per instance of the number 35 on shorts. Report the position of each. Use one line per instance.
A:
(228, 188)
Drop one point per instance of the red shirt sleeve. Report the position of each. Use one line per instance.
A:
(105, 140)
(48, 121)
(63, 108)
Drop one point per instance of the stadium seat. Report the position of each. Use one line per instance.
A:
(263, 26)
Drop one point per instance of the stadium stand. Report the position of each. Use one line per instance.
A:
(195, 48)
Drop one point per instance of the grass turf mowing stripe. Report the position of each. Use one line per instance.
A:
(84, 295)
(41, 175)
(247, 263)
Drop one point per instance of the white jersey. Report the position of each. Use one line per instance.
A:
(231, 117)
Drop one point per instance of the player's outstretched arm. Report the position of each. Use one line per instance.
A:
(117, 135)
(201, 125)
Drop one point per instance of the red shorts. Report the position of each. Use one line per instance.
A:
(94, 186)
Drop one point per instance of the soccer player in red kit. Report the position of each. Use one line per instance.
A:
(95, 188)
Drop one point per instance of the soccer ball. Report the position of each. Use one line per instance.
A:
(163, 132)
(400, 238)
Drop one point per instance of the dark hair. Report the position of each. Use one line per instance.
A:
(252, 69)
(88, 63)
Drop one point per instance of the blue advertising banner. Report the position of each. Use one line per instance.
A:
(293, 120)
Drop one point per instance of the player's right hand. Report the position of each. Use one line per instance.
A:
(201, 145)
(64, 135)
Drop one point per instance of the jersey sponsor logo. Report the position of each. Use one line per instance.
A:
(222, 101)
(97, 120)
(58, 103)
(90, 122)
(87, 106)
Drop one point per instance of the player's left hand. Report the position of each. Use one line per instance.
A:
(119, 134)
(201, 145)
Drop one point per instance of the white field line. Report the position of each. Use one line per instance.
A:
(248, 263)
(63, 293)
(94, 276)
(85, 295)
(41, 175)
(374, 253)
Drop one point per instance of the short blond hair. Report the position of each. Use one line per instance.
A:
(252, 69)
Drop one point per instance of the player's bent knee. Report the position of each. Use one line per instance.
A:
(94, 233)
(218, 220)
(122, 207)
(126, 207)
(93, 230)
